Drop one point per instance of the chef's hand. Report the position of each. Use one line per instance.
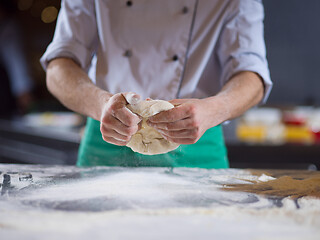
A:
(185, 123)
(117, 122)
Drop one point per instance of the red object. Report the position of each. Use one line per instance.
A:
(316, 136)
(292, 119)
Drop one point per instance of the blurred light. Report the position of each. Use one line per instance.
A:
(24, 5)
(49, 14)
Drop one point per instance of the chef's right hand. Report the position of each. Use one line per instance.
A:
(117, 122)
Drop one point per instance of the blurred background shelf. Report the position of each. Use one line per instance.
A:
(20, 143)
(286, 156)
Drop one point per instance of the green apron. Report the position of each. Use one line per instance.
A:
(208, 152)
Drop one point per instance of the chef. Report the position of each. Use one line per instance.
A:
(207, 57)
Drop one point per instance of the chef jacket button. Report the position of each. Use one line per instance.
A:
(127, 53)
(129, 3)
(185, 10)
(175, 58)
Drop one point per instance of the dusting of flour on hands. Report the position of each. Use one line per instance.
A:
(148, 140)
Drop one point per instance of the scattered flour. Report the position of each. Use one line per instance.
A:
(150, 204)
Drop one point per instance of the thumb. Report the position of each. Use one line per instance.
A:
(131, 97)
(177, 102)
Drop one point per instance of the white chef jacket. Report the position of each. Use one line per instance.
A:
(162, 49)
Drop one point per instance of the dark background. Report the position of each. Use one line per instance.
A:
(292, 34)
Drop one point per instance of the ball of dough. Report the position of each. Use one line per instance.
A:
(148, 140)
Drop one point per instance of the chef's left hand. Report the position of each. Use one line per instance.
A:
(185, 123)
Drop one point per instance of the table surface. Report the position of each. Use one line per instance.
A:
(143, 203)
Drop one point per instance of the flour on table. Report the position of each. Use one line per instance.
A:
(148, 140)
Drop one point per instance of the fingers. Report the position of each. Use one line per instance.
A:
(115, 132)
(190, 133)
(177, 102)
(114, 137)
(178, 125)
(173, 115)
(188, 136)
(131, 98)
(114, 141)
(114, 124)
(127, 117)
(187, 123)
(118, 123)
(181, 140)
(181, 124)
(116, 106)
(185, 131)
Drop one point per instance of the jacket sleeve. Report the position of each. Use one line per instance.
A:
(75, 35)
(241, 46)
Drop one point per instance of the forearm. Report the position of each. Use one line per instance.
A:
(241, 92)
(187, 122)
(73, 88)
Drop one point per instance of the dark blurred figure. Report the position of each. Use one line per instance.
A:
(15, 82)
